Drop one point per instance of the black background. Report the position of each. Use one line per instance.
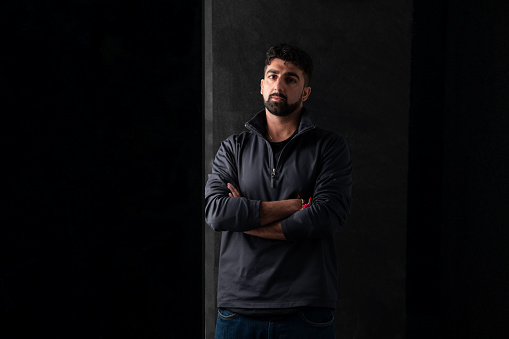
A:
(102, 155)
(101, 237)
(457, 253)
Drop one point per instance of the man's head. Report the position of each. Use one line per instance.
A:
(285, 84)
(292, 54)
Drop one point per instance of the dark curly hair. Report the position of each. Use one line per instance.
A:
(292, 54)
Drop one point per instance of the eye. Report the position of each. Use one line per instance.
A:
(291, 80)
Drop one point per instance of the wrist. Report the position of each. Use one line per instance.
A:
(297, 205)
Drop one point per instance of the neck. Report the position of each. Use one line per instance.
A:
(281, 128)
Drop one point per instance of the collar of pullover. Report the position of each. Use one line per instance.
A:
(259, 122)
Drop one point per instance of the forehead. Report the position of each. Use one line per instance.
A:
(282, 66)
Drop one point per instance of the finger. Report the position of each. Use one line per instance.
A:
(234, 191)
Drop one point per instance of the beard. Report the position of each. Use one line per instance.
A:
(281, 108)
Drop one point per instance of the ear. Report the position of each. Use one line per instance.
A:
(305, 93)
(261, 86)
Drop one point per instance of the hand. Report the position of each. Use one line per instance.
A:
(304, 204)
(234, 191)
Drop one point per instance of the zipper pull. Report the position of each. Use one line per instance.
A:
(272, 177)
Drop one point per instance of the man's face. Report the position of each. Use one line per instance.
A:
(283, 88)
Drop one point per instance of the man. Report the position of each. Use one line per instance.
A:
(279, 193)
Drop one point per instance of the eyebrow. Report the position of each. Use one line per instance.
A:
(291, 74)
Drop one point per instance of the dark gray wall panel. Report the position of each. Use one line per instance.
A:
(360, 88)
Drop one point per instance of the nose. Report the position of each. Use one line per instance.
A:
(279, 85)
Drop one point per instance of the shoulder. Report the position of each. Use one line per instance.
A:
(236, 141)
(329, 137)
(332, 147)
(239, 137)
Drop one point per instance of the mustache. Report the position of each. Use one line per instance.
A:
(277, 95)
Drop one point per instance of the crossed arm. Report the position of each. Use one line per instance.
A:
(271, 214)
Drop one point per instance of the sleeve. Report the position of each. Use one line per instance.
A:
(223, 213)
(331, 199)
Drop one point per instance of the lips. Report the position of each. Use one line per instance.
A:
(277, 97)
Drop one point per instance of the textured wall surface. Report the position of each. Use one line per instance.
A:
(360, 88)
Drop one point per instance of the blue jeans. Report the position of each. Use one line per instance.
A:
(312, 323)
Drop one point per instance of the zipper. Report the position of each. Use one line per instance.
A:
(274, 166)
